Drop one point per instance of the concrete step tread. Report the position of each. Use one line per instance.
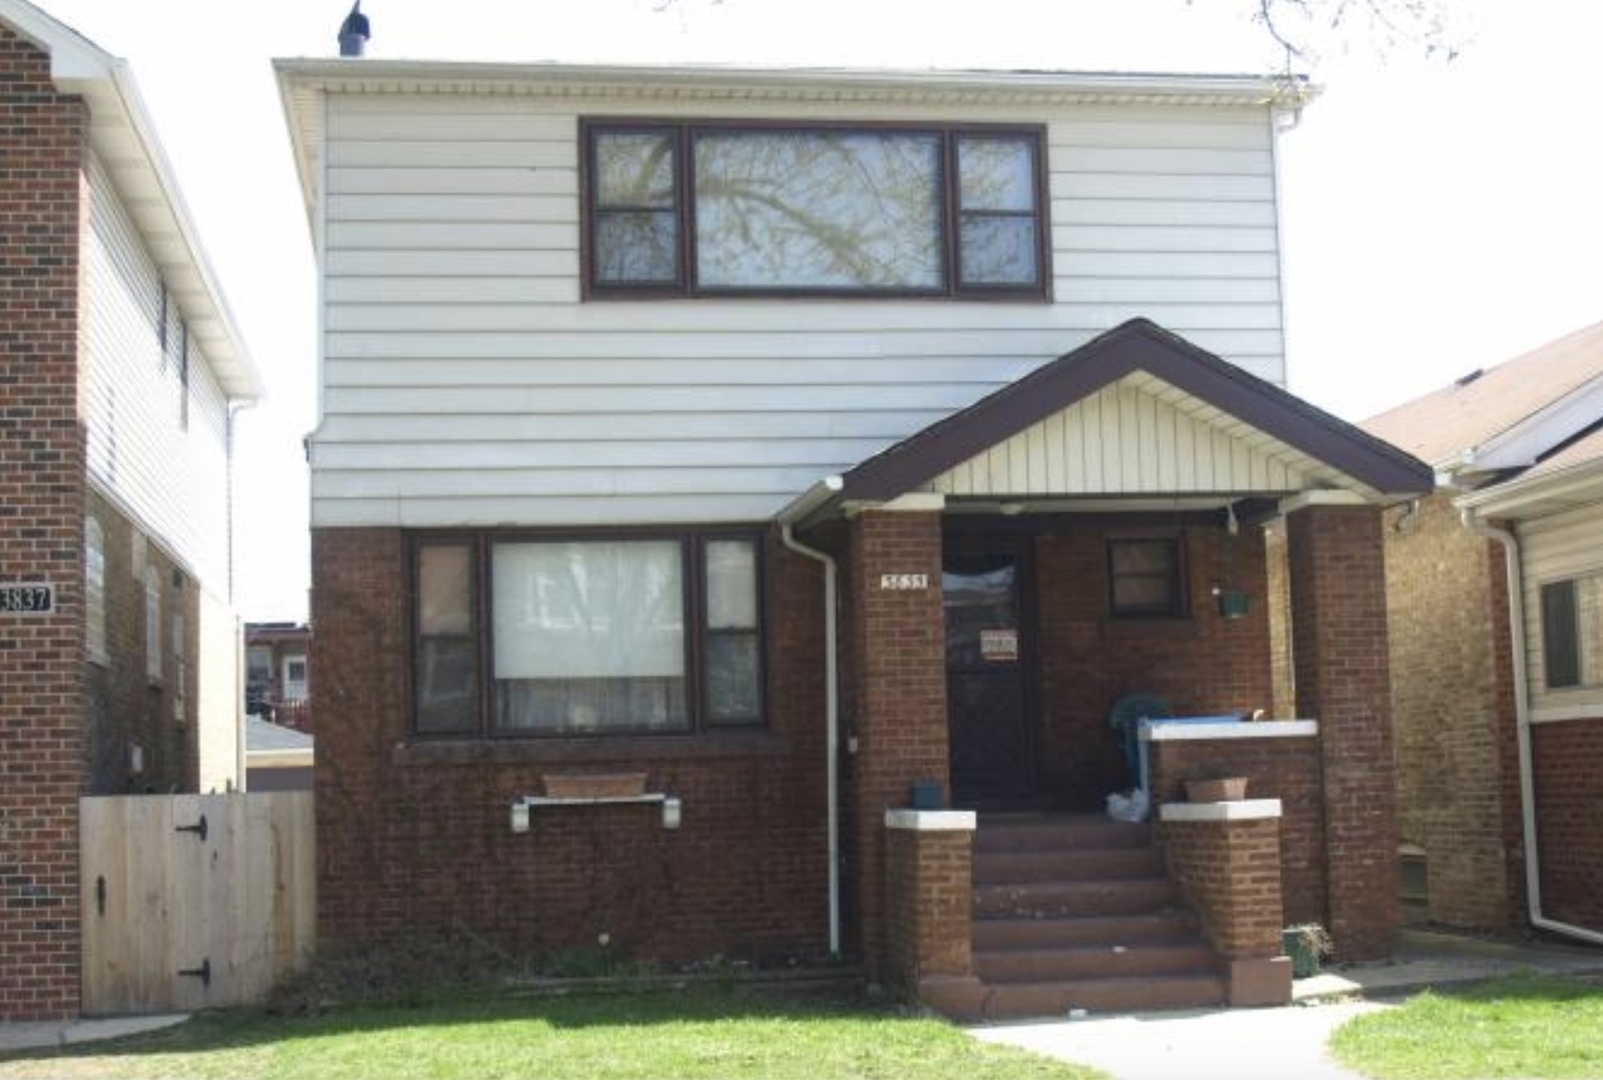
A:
(1026, 1000)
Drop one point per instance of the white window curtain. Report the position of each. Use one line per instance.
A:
(589, 635)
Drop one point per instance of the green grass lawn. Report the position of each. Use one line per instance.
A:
(701, 1033)
(1528, 1027)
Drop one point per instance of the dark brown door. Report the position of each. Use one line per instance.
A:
(988, 650)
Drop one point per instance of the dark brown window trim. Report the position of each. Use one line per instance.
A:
(692, 541)
(683, 132)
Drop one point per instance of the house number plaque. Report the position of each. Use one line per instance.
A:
(904, 582)
(27, 598)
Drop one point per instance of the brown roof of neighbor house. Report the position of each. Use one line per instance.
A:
(1138, 344)
(1441, 426)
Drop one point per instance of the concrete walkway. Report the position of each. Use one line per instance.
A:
(29, 1036)
(1272, 1044)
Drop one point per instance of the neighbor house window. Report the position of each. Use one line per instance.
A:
(94, 548)
(1146, 577)
(591, 636)
(722, 209)
(152, 624)
(1572, 632)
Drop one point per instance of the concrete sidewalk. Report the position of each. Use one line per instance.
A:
(29, 1036)
(1272, 1044)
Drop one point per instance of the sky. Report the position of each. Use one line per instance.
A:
(1437, 216)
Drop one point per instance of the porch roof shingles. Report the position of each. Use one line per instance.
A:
(1293, 441)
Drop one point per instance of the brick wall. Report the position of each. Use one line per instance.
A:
(1567, 773)
(1338, 623)
(929, 898)
(122, 705)
(1231, 872)
(898, 693)
(41, 524)
(1279, 768)
(1204, 665)
(1452, 707)
(414, 838)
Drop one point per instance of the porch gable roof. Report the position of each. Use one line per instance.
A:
(1288, 443)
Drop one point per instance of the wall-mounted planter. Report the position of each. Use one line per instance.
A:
(1233, 603)
(609, 785)
(1221, 789)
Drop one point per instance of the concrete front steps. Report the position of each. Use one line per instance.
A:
(1078, 912)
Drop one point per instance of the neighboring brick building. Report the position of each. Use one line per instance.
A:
(802, 445)
(118, 371)
(1485, 676)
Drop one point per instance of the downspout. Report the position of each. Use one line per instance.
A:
(1522, 728)
(813, 499)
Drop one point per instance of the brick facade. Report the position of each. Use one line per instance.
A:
(1341, 661)
(1203, 665)
(124, 707)
(414, 836)
(1452, 705)
(42, 208)
(1567, 773)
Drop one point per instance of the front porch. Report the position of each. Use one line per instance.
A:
(1015, 570)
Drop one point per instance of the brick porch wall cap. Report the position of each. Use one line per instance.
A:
(1182, 728)
(931, 820)
(1235, 810)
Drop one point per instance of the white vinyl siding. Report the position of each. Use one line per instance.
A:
(170, 475)
(1562, 546)
(466, 382)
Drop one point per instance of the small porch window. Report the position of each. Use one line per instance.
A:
(1146, 578)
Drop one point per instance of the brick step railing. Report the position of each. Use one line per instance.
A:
(1079, 913)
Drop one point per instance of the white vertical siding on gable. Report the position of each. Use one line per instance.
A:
(1123, 441)
(1555, 548)
(466, 382)
(172, 478)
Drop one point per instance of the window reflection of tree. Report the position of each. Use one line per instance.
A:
(818, 210)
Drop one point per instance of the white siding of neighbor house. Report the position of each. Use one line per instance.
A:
(464, 381)
(1554, 548)
(171, 478)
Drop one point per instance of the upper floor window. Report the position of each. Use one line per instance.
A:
(719, 209)
(591, 636)
(1572, 632)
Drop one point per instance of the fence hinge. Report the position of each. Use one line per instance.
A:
(203, 973)
(199, 828)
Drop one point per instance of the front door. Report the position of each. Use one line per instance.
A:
(988, 649)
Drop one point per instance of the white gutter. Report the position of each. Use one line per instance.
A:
(814, 498)
(1522, 728)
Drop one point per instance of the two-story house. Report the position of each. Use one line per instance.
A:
(120, 370)
(732, 486)
(1496, 585)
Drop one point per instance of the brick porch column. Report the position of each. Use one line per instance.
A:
(899, 690)
(1338, 622)
(929, 915)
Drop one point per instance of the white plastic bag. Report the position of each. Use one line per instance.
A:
(1131, 807)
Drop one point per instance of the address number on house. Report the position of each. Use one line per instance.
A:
(27, 598)
(904, 582)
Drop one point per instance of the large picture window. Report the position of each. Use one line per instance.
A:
(721, 209)
(587, 636)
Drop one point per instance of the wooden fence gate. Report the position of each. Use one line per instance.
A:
(194, 901)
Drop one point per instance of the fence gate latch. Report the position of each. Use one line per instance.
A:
(203, 973)
(199, 829)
